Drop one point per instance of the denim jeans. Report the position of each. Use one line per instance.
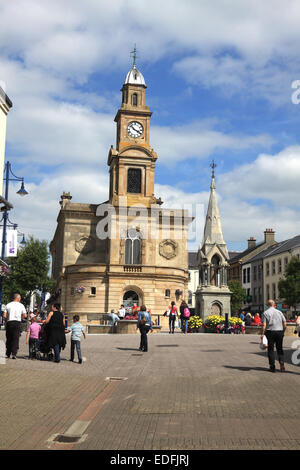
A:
(57, 353)
(185, 325)
(33, 347)
(75, 343)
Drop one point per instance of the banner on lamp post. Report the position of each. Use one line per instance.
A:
(11, 248)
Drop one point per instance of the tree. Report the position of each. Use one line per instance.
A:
(238, 295)
(289, 287)
(29, 271)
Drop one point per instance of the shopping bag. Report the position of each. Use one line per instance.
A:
(264, 343)
(176, 324)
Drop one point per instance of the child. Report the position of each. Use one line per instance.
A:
(76, 329)
(33, 336)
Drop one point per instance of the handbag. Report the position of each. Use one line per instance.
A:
(143, 320)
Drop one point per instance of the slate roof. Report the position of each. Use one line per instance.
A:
(193, 263)
(277, 248)
(245, 252)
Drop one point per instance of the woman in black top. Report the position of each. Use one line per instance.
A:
(56, 337)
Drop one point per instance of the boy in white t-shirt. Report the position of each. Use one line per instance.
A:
(13, 313)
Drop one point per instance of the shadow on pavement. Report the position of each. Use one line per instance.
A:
(128, 349)
(261, 369)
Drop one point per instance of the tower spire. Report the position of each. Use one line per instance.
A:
(213, 229)
(134, 56)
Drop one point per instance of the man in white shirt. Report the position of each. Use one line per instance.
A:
(273, 326)
(13, 313)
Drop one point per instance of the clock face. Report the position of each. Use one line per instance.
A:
(135, 129)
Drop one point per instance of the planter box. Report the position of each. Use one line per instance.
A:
(256, 330)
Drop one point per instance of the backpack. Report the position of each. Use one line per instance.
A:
(143, 320)
(186, 313)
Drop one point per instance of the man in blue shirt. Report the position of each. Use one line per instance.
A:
(144, 324)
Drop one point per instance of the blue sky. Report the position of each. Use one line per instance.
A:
(219, 78)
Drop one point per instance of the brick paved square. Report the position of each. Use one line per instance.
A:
(200, 391)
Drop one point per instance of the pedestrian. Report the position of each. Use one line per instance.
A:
(273, 326)
(121, 312)
(76, 331)
(56, 338)
(33, 336)
(145, 325)
(242, 316)
(14, 312)
(248, 319)
(135, 310)
(172, 317)
(114, 318)
(184, 316)
(257, 319)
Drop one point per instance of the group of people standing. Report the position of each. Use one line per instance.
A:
(183, 316)
(54, 325)
(273, 327)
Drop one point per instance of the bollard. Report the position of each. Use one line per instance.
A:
(226, 323)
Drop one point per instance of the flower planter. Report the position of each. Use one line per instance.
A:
(210, 330)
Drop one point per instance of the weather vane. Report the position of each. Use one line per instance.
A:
(213, 166)
(133, 54)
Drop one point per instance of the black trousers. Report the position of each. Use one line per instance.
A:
(144, 329)
(13, 330)
(275, 338)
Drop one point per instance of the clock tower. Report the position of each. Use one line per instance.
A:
(132, 162)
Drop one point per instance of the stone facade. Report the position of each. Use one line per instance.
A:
(145, 254)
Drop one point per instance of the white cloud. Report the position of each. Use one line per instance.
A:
(274, 178)
(200, 139)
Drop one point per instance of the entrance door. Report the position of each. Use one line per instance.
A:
(130, 297)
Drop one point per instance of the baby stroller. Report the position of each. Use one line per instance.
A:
(43, 346)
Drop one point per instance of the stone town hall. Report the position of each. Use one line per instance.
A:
(145, 258)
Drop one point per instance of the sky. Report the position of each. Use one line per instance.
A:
(220, 77)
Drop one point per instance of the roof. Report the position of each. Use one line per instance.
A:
(135, 77)
(233, 254)
(193, 261)
(277, 248)
(5, 98)
(245, 252)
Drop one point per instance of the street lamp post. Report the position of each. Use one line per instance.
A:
(22, 192)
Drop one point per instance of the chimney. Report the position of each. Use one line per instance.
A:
(251, 242)
(269, 236)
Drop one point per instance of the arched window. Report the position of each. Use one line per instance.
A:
(134, 181)
(134, 99)
(133, 245)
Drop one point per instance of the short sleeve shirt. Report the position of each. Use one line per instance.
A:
(14, 311)
(274, 319)
(76, 331)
